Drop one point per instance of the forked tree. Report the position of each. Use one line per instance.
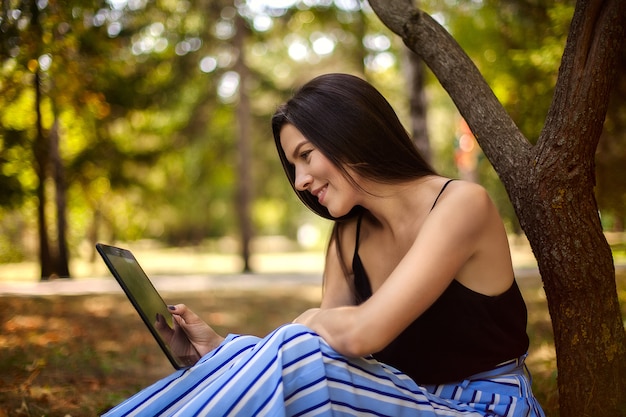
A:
(551, 185)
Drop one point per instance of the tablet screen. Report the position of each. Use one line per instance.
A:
(142, 295)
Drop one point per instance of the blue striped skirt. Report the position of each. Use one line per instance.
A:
(294, 372)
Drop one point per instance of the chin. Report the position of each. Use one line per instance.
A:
(338, 213)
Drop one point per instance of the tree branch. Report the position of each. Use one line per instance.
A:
(393, 14)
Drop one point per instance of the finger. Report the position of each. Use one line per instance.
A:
(188, 316)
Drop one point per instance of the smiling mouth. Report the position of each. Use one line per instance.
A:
(320, 193)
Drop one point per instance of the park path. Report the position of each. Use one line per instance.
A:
(163, 283)
(181, 283)
(184, 272)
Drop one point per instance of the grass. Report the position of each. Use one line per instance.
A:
(80, 355)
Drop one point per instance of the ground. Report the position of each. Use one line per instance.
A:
(78, 355)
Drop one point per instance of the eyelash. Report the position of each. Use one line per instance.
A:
(305, 155)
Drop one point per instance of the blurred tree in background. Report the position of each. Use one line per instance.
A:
(134, 119)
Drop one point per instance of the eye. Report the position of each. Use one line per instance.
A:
(306, 154)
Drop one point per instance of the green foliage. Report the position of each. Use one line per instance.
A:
(517, 45)
(145, 95)
(145, 99)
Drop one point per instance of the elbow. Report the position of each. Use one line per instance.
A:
(352, 349)
(349, 331)
(357, 343)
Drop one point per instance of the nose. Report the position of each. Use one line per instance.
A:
(302, 180)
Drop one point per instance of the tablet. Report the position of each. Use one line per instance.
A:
(144, 297)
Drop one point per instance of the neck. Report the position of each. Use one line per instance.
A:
(397, 207)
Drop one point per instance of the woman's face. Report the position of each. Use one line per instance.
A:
(317, 174)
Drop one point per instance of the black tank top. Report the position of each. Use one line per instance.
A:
(461, 334)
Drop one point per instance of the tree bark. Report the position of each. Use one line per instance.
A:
(551, 187)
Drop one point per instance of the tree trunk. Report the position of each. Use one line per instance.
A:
(62, 269)
(46, 153)
(41, 156)
(575, 261)
(244, 187)
(551, 187)
(41, 152)
(562, 223)
(415, 74)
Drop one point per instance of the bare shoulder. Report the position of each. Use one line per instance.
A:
(466, 204)
(467, 189)
(468, 195)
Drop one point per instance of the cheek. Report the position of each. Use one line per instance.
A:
(340, 179)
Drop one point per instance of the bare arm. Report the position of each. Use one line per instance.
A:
(450, 239)
(337, 288)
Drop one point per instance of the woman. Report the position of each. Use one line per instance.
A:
(420, 313)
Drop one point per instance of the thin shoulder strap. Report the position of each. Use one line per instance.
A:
(438, 195)
(358, 233)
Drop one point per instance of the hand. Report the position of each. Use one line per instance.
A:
(190, 337)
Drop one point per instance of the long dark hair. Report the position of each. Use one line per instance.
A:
(354, 126)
